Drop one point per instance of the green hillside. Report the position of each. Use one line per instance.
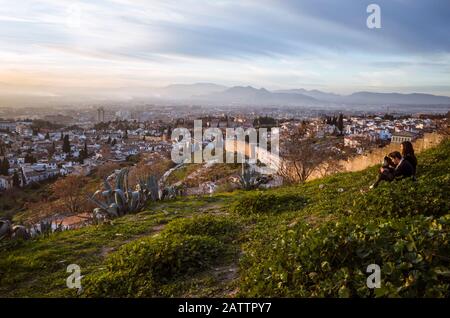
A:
(310, 240)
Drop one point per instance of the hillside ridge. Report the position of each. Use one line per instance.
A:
(322, 236)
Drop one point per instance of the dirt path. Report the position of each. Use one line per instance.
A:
(106, 250)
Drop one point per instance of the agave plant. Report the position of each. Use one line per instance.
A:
(118, 200)
(9, 231)
(20, 232)
(248, 179)
(45, 228)
(5, 229)
(170, 192)
(150, 187)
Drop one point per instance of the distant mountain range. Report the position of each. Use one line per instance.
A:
(213, 94)
(248, 95)
(187, 91)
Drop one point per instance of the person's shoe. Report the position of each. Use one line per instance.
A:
(372, 186)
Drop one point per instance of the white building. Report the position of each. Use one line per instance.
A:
(38, 172)
(6, 125)
(24, 130)
(6, 182)
(399, 137)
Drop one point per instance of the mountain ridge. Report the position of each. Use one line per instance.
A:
(300, 96)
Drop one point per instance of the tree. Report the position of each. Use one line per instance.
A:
(47, 136)
(4, 167)
(388, 117)
(299, 161)
(302, 157)
(16, 179)
(71, 193)
(51, 151)
(86, 153)
(114, 142)
(340, 123)
(144, 169)
(66, 144)
(29, 158)
(104, 170)
(109, 140)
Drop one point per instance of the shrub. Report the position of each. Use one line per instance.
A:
(330, 260)
(219, 227)
(405, 198)
(140, 268)
(261, 203)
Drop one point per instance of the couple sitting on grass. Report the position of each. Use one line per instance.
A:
(398, 165)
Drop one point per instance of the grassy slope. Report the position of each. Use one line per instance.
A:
(37, 268)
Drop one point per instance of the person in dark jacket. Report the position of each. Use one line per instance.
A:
(394, 167)
(403, 168)
(408, 154)
(386, 172)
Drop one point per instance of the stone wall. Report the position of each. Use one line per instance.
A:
(375, 156)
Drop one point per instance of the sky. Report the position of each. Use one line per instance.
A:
(57, 47)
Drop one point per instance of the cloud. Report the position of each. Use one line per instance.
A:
(265, 42)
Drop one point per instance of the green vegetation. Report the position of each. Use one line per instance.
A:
(181, 173)
(314, 239)
(259, 202)
(330, 260)
(147, 267)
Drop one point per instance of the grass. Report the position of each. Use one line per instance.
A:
(181, 173)
(306, 240)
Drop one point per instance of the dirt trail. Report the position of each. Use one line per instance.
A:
(106, 250)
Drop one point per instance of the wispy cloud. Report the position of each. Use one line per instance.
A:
(271, 43)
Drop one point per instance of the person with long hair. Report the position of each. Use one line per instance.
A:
(408, 155)
(395, 167)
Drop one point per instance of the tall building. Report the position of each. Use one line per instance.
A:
(100, 115)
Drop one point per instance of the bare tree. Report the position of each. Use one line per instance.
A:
(104, 170)
(144, 169)
(299, 161)
(304, 156)
(71, 192)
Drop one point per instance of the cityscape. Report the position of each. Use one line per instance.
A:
(38, 150)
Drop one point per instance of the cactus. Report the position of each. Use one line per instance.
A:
(153, 188)
(9, 231)
(170, 192)
(45, 228)
(248, 179)
(20, 232)
(5, 229)
(119, 200)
